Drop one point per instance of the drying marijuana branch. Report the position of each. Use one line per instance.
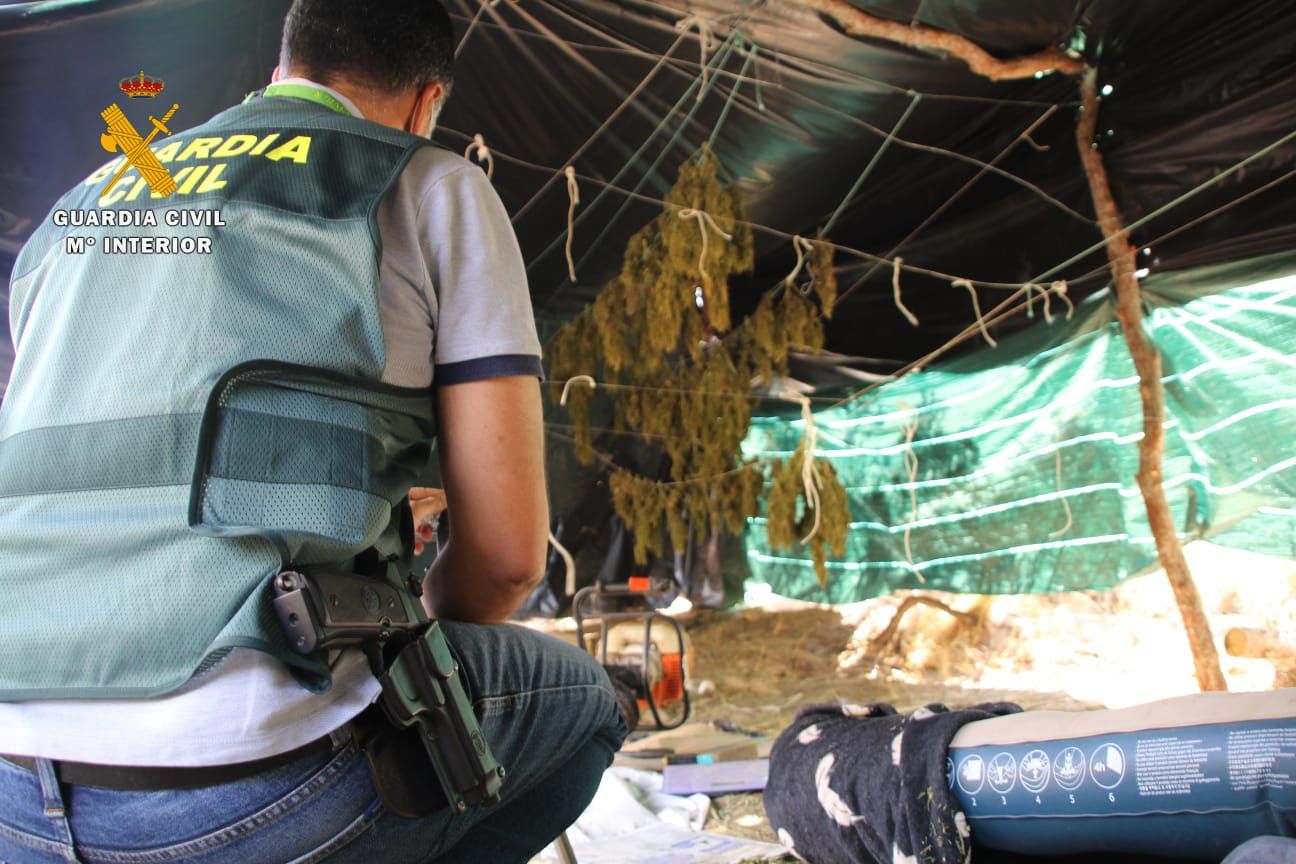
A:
(662, 332)
(790, 519)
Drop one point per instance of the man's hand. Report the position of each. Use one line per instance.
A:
(427, 504)
(491, 441)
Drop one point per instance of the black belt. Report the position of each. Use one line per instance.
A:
(132, 778)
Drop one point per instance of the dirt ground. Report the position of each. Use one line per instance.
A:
(756, 666)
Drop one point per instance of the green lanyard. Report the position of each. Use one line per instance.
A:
(310, 94)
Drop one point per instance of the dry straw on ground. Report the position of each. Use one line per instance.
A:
(757, 666)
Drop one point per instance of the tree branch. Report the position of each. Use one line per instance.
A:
(1120, 255)
(881, 643)
(1147, 362)
(857, 22)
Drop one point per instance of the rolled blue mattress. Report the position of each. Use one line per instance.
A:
(1191, 777)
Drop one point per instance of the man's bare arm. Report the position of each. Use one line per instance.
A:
(491, 441)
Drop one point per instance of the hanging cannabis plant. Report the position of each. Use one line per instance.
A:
(661, 333)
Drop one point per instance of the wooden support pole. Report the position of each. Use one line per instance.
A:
(1120, 253)
(1147, 362)
(857, 22)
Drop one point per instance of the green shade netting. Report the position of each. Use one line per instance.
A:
(1026, 453)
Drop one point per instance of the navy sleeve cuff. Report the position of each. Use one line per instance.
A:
(482, 368)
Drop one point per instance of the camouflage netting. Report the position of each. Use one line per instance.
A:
(1026, 453)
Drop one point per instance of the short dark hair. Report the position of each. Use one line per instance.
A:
(386, 44)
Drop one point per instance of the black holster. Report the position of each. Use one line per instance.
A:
(427, 718)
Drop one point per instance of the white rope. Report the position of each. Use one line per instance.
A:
(1060, 289)
(483, 154)
(573, 198)
(588, 379)
(472, 25)
(895, 291)
(1065, 504)
(751, 50)
(909, 426)
(1031, 288)
(703, 219)
(706, 41)
(1039, 148)
(810, 478)
(568, 562)
(976, 307)
(801, 246)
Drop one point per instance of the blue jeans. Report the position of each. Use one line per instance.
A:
(546, 707)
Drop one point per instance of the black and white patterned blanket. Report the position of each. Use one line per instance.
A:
(853, 784)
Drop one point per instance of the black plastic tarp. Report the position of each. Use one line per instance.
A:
(797, 111)
(1195, 88)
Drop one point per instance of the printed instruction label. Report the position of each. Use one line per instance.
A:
(1262, 759)
(1172, 765)
(1234, 766)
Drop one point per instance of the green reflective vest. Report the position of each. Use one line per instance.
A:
(179, 427)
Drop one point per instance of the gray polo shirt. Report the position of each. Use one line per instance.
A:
(455, 305)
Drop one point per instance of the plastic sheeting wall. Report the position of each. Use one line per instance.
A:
(1197, 87)
(1026, 454)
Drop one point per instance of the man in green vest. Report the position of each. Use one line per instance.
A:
(180, 427)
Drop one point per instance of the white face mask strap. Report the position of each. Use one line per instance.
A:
(436, 113)
(437, 105)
